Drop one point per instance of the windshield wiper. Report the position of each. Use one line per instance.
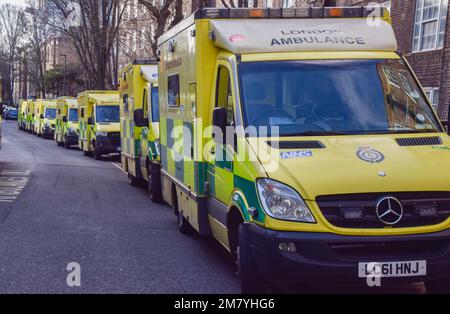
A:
(317, 133)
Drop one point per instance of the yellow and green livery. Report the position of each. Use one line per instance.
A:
(45, 118)
(139, 112)
(331, 164)
(99, 123)
(66, 131)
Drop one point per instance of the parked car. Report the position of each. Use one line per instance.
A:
(10, 113)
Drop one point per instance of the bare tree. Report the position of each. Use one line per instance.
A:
(94, 34)
(165, 14)
(13, 26)
(39, 33)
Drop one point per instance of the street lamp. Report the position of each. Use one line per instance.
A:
(65, 67)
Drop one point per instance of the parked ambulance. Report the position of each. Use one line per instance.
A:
(337, 169)
(29, 121)
(66, 130)
(99, 123)
(21, 119)
(45, 118)
(139, 112)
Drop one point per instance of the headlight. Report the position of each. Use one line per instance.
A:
(101, 133)
(282, 202)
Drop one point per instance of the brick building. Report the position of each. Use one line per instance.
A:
(424, 38)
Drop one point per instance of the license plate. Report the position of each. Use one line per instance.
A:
(393, 269)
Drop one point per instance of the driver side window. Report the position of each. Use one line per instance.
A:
(224, 96)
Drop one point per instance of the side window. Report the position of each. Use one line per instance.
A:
(224, 96)
(173, 90)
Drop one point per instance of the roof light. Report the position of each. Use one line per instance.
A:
(315, 12)
(261, 13)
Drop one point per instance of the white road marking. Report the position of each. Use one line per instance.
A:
(117, 165)
(12, 183)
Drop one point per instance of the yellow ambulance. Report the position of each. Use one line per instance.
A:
(99, 123)
(139, 115)
(66, 131)
(29, 121)
(21, 120)
(303, 142)
(45, 118)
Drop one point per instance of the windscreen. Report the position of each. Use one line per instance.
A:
(107, 114)
(50, 113)
(73, 115)
(334, 97)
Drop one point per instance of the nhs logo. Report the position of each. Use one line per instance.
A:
(296, 154)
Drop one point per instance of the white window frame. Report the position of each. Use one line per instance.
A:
(430, 92)
(438, 20)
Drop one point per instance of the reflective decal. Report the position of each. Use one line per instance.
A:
(370, 155)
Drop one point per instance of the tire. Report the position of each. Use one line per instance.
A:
(438, 286)
(251, 280)
(96, 155)
(66, 144)
(133, 181)
(183, 224)
(85, 153)
(154, 183)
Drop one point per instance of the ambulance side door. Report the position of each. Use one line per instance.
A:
(222, 154)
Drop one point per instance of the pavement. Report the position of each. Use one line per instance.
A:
(59, 207)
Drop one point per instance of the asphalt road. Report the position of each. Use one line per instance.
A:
(59, 207)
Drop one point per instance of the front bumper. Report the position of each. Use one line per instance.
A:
(324, 258)
(106, 145)
(48, 132)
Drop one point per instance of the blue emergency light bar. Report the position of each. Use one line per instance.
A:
(269, 13)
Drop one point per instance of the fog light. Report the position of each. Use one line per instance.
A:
(288, 247)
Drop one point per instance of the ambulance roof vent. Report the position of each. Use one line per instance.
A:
(419, 141)
(296, 144)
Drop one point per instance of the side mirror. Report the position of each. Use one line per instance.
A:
(146, 121)
(220, 121)
(64, 119)
(139, 118)
(90, 121)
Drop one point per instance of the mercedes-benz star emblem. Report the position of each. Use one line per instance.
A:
(389, 210)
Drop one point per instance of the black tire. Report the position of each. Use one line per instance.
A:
(66, 144)
(251, 280)
(438, 286)
(96, 155)
(85, 153)
(183, 224)
(133, 181)
(154, 183)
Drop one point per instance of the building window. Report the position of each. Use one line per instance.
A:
(433, 95)
(430, 22)
(288, 3)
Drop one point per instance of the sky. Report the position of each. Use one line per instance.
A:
(18, 2)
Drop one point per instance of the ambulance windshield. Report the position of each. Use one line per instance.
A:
(73, 115)
(334, 97)
(107, 114)
(50, 113)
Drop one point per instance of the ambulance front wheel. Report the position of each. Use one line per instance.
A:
(251, 280)
(183, 224)
(133, 181)
(154, 183)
